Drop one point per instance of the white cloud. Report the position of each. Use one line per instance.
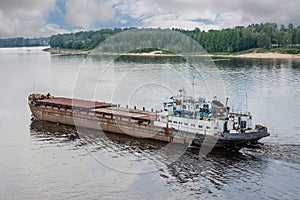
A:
(123, 21)
(85, 13)
(207, 14)
(250, 11)
(169, 21)
(138, 9)
(28, 18)
(50, 29)
(27, 8)
(25, 18)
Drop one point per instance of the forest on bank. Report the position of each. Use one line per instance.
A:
(24, 42)
(230, 40)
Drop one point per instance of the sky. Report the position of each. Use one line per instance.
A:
(37, 18)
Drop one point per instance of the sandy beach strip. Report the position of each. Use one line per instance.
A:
(269, 55)
(159, 53)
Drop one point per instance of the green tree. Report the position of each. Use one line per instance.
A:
(263, 41)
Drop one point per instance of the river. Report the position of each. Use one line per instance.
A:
(41, 160)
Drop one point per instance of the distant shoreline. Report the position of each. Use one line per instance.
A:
(252, 55)
(66, 51)
(262, 55)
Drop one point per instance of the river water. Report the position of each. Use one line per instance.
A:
(41, 160)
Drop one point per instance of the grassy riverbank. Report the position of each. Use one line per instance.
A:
(66, 51)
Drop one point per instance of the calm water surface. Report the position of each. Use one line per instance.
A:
(41, 160)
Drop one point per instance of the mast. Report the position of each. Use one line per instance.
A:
(246, 103)
(226, 106)
(193, 83)
(226, 102)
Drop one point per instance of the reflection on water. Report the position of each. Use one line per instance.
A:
(52, 131)
(216, 173)
(151, 59)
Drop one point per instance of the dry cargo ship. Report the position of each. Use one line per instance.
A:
(183, 119)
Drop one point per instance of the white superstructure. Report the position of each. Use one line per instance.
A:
(199, 116)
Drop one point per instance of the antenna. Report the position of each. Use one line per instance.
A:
(246, 103)
(193, 83)
(226, 106)
(226, 103)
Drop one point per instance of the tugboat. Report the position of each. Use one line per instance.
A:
(212, 123)
(183, 119)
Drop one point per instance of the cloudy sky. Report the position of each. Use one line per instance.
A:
(32, 18)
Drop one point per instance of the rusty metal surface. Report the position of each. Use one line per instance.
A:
(138, 114)
(76, 102)
(94, 122)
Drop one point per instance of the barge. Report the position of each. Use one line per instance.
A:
(183, 120)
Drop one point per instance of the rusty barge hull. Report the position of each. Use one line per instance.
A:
(106, 122)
